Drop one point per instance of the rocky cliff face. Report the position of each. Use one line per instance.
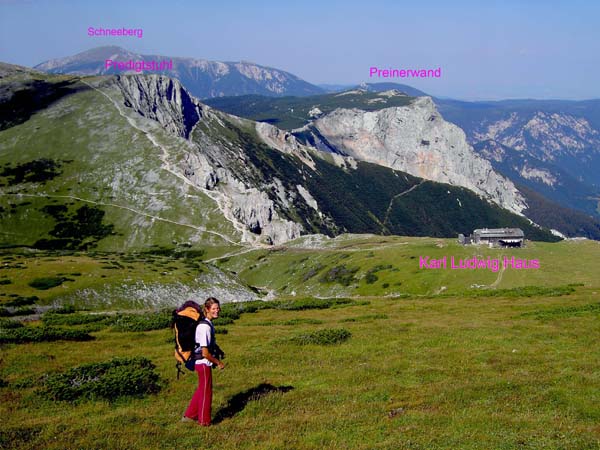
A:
(162, 99)
(417, 140)
(213, 164)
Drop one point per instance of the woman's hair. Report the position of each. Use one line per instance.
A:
(209, 302)
(190, 304)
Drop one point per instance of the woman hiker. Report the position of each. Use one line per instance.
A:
(200, 406)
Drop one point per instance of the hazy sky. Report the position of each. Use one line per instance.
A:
(485, 49)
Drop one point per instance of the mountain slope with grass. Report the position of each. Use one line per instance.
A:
(132, 162)
(391, 362)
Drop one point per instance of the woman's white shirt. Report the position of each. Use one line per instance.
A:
(203, 335)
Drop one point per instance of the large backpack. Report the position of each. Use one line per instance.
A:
(184, 325)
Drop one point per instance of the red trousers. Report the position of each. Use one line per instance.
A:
(199, 407)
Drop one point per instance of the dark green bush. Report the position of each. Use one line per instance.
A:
(224, 321)
(524, 291)
(326, 336)
(54, 318)
(18, 312)
(365, 318)
(41, 334)
(564, 312)
(67, 309)
(109, 380)
(9, 324)
(312, 272)
(22, 301)
(339, 274)
(229, 312)
(141, 322)
(45, 283)
(24, 311)
(5, 281)
(309, 303)
(371, 278)
(294, 322)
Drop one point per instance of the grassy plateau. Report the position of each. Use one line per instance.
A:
(394, 361)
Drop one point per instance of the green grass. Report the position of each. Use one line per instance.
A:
(104, 274)
(120, 175)
(459, 372)
(113, 278)
(512, 364)
(395, 261)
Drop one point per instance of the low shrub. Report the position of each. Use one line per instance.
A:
(110, 380)
(9, 324)
(229, 313)
(564, 312)
(23, 311)
(66, 309)
(22, 335)
(326, 336)
(294, 322)
(22, 435)
(141, 322)
(56, 318)
(22, 301)
(339, 274)
(312, 272)
(46, 283)
(365, 318)
(224, 321)
(371, 278)
(5, 281)
(524, 291)
(310, 303)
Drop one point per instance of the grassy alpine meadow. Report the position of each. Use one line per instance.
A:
(447, 372)
(394, 361)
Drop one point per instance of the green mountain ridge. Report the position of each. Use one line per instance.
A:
(112, 178)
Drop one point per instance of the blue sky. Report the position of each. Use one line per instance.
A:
(486, 49)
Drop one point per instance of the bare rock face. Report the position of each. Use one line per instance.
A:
(216, 168)
(417, 140)
(161, 99)
(284, 141)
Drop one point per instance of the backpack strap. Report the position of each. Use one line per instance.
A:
(213, 342)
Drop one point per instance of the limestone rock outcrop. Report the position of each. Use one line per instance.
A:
(416, 139)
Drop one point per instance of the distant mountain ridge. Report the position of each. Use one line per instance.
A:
(203, 78)
(552, 146)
